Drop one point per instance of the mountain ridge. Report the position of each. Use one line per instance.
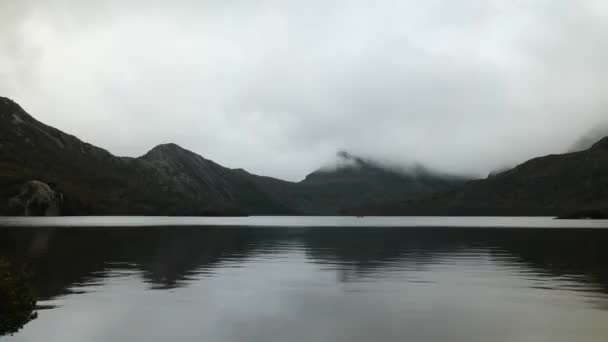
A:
(171, 180)
(97, 182)
(552, 185)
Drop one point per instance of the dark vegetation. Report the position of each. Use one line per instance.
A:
(17, 301)
(597, 214)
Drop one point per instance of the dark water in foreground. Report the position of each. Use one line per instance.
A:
(299, 284)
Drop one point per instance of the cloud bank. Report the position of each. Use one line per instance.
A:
(277, 87)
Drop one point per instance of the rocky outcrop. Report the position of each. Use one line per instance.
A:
(36, 199)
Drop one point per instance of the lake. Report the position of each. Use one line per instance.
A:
(309, 279)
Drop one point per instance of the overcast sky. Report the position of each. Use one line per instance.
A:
(278, 86)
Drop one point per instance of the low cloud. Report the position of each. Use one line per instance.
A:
(277, 87)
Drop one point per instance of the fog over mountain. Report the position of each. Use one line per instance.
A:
(277, 87)
(596, 133)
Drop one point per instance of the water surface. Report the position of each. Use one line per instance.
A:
(313, 282)
(303, 221)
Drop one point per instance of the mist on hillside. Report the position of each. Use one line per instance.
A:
(278, 87)
(588, 139)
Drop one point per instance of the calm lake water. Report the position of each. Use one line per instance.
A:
(312, 279)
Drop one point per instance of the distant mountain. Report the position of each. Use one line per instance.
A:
(353, 182)
(571, 185)
(357, 181)
(45, 171)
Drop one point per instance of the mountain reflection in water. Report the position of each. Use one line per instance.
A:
(315, 284)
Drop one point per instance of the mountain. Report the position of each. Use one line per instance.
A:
(353, 182)
(570, 185)
(357, 181)
(45, 171)
(168, 180)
